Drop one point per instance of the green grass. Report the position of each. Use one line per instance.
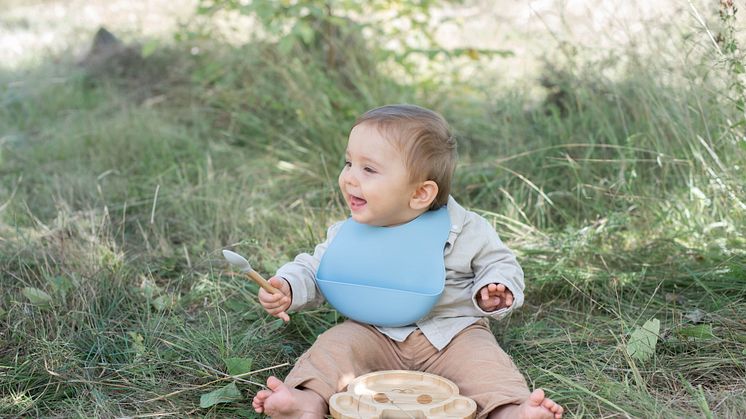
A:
(623, 198)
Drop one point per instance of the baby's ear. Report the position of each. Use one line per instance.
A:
(424, 195)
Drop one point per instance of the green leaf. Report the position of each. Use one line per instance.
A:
(149, 48)
(265, 11)
(36, 296)
(225, 394)
(641, 345)
(237, 305)
(738, 67)
(163, 302)
(285, 45)
(700, 331)
(137, 343)
(246, 413)
(149, 288)
(61, 285)
(305, 32)
(274, 325)
(695, 316)
(238, 366)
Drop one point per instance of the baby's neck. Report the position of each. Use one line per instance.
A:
(410, 218)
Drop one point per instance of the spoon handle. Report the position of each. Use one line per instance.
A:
(254, 276)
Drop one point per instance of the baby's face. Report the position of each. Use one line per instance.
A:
(374, 180)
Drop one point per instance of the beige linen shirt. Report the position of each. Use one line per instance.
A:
(474, 257)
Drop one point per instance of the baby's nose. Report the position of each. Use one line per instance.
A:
(349, 177)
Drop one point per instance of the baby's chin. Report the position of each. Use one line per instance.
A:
(360, 218)
(374, 223)
(363, 219)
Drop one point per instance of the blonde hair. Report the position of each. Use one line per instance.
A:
(425, 139)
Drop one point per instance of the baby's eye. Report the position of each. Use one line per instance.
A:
(369, 169)
(347, 163)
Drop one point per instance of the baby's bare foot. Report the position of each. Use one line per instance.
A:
(538, 406)
(280, 402)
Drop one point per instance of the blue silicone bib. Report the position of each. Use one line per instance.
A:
(386, 276)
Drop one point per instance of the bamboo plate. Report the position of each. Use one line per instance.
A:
(401, 395)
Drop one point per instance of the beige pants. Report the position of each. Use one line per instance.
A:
(473, 360)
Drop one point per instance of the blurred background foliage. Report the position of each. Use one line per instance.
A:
(129, 159)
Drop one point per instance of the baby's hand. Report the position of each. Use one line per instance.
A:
(276, 304)
(494, 296)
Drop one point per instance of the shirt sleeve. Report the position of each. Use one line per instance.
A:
(493, 262)
(301, 274)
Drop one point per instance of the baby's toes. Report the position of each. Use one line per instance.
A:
(262, 395)
(550, 405)
(554, 408)
(257, 405)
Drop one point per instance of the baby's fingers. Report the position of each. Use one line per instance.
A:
(275, 311)
(278, 283)
(281, 302)
(274, 306)
(279, 312)
(491, 304)
(484, 293)
(495, 302)
(284, 316)
(267, 296)
(508, 300)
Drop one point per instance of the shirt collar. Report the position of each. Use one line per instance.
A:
(457, 214)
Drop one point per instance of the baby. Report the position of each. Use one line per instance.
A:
(398, 165)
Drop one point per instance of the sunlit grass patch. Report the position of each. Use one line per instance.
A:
(622, 197)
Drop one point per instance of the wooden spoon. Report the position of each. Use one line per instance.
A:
(243, 265)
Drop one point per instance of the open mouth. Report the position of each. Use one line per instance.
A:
(356, 203)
